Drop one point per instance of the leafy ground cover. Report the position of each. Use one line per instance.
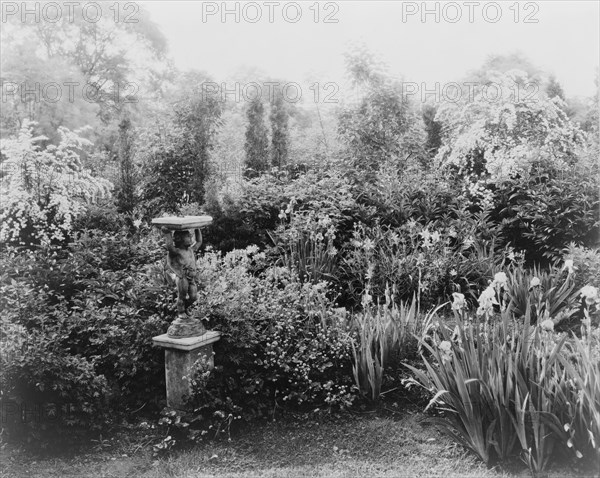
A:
(384, 443)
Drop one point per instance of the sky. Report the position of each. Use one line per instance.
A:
(421, 42)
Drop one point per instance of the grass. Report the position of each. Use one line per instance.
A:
(359, 445)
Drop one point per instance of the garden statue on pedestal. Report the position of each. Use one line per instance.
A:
(187, 341)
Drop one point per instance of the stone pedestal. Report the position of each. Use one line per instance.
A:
(180, 356)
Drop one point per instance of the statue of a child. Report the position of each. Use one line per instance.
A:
(181, 260)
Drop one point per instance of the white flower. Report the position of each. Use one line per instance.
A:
(547, 325)
(487, 300)
(590, 294)
(569, 266)
(445, 346)
(459, 302)
(535, 282)
(137, 223)
(500, 279)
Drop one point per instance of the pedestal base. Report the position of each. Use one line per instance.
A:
(185, 327)
(180, 356)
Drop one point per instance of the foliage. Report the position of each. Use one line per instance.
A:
(305, 245)
(543, 212)
(585, 263)
(279, 117)
(44, 190)
(127, 194)
(282, 342)
(179, 162)
(506, 388)
(381, 126)
(506, 136)
(88, 315)
(385, 334)
(540, 295)
(257, 142)
(248, 217)
(420, 260)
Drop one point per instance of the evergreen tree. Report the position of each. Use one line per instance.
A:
(257, 142)
(126, 197)
(279, 127)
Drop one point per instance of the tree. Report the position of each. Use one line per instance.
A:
(257, 141)
(279, 130)
(179, 160)
(380, 126)
(126, 192)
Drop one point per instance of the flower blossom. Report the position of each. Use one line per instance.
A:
(548, 325)
(487, 300)
(590, 294)
(459, 302)
(500, 279)
(535, 282)
(569, 266)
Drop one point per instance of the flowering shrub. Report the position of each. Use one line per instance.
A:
(44, 190)
(501, 138)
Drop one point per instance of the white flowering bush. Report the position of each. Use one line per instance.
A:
(44, 189)
(502, 130)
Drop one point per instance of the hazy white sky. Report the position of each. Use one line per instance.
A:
(438, 47)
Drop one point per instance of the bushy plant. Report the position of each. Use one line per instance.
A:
(44, 190)
(283, 344)
(541, 295)
(543, 213)
(585, 265)
(91, 309)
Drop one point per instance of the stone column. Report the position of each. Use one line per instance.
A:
(180, 356)
(187, 340)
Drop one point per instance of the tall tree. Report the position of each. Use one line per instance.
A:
(126, 188)
(279, 130)
(179, 160)
(257, 141)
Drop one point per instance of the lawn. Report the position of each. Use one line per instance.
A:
(373, 444)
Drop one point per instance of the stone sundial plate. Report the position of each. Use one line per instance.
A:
(182, 223)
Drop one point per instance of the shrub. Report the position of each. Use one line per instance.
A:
(542, 295)
(45, 190)
(92, 310)
(282, 343)
(544, 213)
(585, 263)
